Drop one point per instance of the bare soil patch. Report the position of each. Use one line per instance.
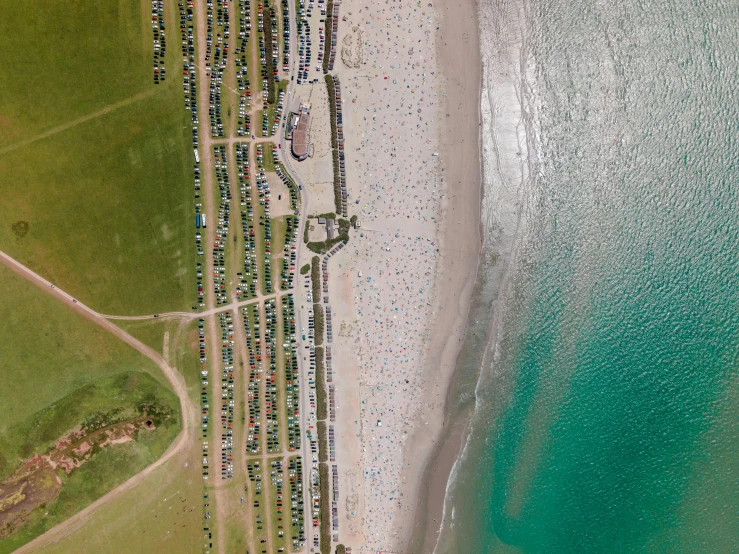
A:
(36, 481)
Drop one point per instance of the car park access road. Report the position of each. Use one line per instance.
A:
(69, 299)
(303, 366)
(233, 306)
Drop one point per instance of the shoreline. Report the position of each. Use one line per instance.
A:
(446, 444)
(503, 164)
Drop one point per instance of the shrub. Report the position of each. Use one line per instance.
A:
(315, 276)
(305, 231)
(322, 442)
(321, 397)
(305, 269)
(325, 246)
(329, 27)
(325, 509)
(318, 320)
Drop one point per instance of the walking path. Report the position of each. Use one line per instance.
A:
(140, 96)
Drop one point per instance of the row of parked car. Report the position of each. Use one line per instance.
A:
(227, 400)
(216, 59)
(160, 41)
(304, 44)
(250, 315)
(243, 125)
(189, 86)
(271, 398)
(265, 219)
(220, 162)
(285, 36)
(292, 376)
(249, 278)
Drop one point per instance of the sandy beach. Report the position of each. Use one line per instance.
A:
(400, 290)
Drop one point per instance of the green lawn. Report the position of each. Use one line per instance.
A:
(60, 369)
(103, 208)
(149, 331)
(97, 196)
(62, 372)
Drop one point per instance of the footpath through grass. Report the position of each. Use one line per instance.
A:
(65, 59)
(49, 351)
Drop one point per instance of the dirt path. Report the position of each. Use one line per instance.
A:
(182, 442)
(207, 175)
(83, 119)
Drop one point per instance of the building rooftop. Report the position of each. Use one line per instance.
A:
(301, 139)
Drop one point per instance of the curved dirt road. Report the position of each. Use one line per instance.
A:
(180, 444)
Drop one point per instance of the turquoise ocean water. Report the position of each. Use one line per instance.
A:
(608, 420)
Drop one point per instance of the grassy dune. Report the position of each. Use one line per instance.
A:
(165, 512)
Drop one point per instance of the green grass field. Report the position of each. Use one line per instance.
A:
(102, 208)
(49, 351)
(165, 510)
(66, 59)
(149, 331)
(162, 514)
(62, 369)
